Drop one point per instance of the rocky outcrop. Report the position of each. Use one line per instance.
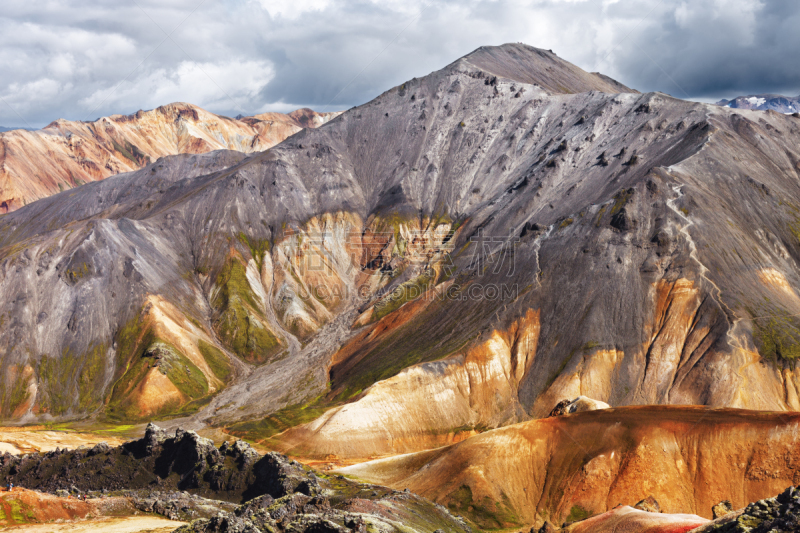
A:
(66, 154)
(182, 461)
(396, 512)
(178, 505)
(721, 509)
(780, 514)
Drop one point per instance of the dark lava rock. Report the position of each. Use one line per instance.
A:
(183, 461)
(780, 514)
(532, 228)
(560, 408)
(180, 505)
(623, 221)
(185, 477)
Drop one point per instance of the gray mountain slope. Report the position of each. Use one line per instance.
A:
(659, 231)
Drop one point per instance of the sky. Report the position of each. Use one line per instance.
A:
(82, 59)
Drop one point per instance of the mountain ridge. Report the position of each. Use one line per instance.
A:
(66, 153)
(764, 102)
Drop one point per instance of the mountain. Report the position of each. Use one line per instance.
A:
(459, 254)
(65, 154)
(565, 468)
(763, 102)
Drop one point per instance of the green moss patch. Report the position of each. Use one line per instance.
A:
(578, 513)
(15, 393)
(403, 293)
(240, 324)
(621, 199)
(139, 351)
(216, 360)
(432, 335)
(778, 339)
(181, 372)
(280, 421)
(74, 382)
(258, 248)
(16, 511)
(485, 513)
(131, 152)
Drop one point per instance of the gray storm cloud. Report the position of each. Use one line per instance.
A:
(83, 59)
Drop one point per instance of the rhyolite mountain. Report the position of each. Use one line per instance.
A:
(559, 469)
(764, 102)
(65, 154)
(461, 253)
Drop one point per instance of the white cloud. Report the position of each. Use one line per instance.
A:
(234, 85)
(63, 58)
(292, 9)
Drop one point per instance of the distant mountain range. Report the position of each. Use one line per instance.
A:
(2, 129)
(763, 102)
(65, 154)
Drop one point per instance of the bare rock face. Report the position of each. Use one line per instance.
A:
(66, 154)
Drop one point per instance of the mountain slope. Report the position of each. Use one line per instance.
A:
(563, 468)
(631, 248)
(35, 164)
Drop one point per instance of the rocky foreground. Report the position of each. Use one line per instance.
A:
(229, 488)
(234, 489)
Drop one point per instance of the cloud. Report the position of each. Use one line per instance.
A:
(80, 59)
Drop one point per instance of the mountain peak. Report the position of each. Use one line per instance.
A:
(528, 64)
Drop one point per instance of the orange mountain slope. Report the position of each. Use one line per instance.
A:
(36, 164)
(564, 468)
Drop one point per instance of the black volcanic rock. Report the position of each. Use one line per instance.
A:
(780, 514)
